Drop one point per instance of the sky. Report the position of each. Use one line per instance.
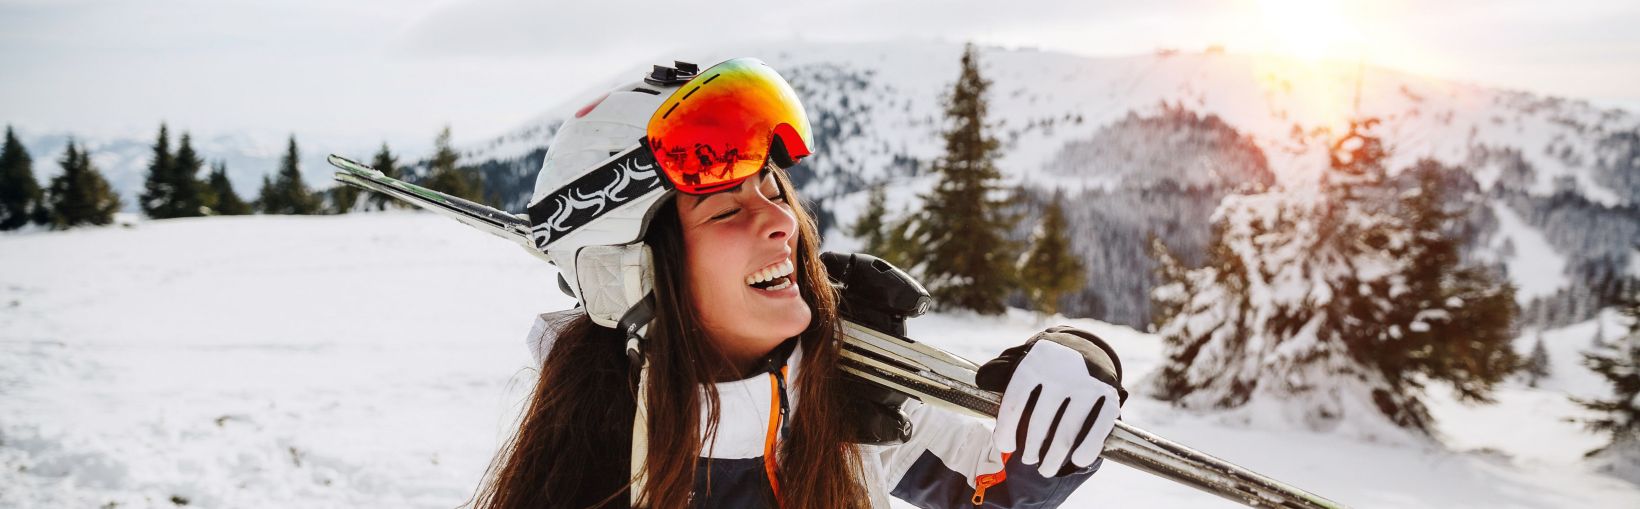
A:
(398, 70)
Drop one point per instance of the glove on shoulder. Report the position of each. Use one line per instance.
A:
(1102, 361)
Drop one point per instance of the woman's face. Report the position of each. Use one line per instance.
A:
(740, 254)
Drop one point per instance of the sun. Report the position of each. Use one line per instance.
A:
(1310, 30)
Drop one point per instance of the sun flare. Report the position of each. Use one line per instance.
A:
(1310, 30)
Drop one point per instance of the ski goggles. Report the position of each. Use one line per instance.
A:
(719, 127)
(724, 124)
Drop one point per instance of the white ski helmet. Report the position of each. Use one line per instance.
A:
(601, 183)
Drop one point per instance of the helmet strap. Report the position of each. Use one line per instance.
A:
(634, 324)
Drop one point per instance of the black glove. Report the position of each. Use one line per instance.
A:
(876, 414)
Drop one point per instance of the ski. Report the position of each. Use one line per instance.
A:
(498, 223)
(936, 377)
(917, 370)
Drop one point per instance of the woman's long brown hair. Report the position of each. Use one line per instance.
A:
(574, 438)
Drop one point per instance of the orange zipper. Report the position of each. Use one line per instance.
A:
(985, 481)
(776, 414)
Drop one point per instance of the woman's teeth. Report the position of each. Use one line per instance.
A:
(765, 279)
(785, 282)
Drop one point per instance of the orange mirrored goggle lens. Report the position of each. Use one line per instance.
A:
(720, 127)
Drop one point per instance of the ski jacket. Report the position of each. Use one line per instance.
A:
(948, 462)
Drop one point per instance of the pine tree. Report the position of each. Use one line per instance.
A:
(1454, 323)
(1049, 270)
(187, 198)
(1314, 300)
(1619, 364)
(882, 237)
(222, 200)
(158, 199)
(343, 198)
(287, 194)
(19, 193)
(266, 197)
(870, 226)
(80, 195)
(959, 237)
(388, 164)
(1537, 364)
(445, 176)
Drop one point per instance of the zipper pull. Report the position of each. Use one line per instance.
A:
(985, 481)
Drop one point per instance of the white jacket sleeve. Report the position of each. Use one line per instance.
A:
(948, 454)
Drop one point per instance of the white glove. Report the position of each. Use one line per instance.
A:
(1063, 377)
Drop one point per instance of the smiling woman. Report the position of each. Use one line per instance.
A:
(667, 207)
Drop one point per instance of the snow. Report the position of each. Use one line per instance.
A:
(1536, 269)
(214, 360)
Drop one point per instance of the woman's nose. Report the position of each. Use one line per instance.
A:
(777, 222)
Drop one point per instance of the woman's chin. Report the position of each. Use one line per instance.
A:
(786, 323)
(783, 314)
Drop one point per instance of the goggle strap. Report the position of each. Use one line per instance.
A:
(625, 177)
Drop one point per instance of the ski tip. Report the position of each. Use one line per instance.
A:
(349, 164)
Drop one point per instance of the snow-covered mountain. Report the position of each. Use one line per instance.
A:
(1148, 144)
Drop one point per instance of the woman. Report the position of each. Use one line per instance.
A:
(700, 368)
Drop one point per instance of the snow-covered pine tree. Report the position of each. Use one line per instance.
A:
(19, 192)
(1537, 363)
(80, 195)
(1049, 270)
(286, 193)
(1293, 318)
(444, 175)
(960, 236)
(1453, 323)
(1619, 415)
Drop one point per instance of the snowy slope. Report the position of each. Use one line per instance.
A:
(213, 360)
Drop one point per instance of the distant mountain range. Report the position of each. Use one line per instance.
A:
(1147, 145)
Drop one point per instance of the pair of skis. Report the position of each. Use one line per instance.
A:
(931, 375)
